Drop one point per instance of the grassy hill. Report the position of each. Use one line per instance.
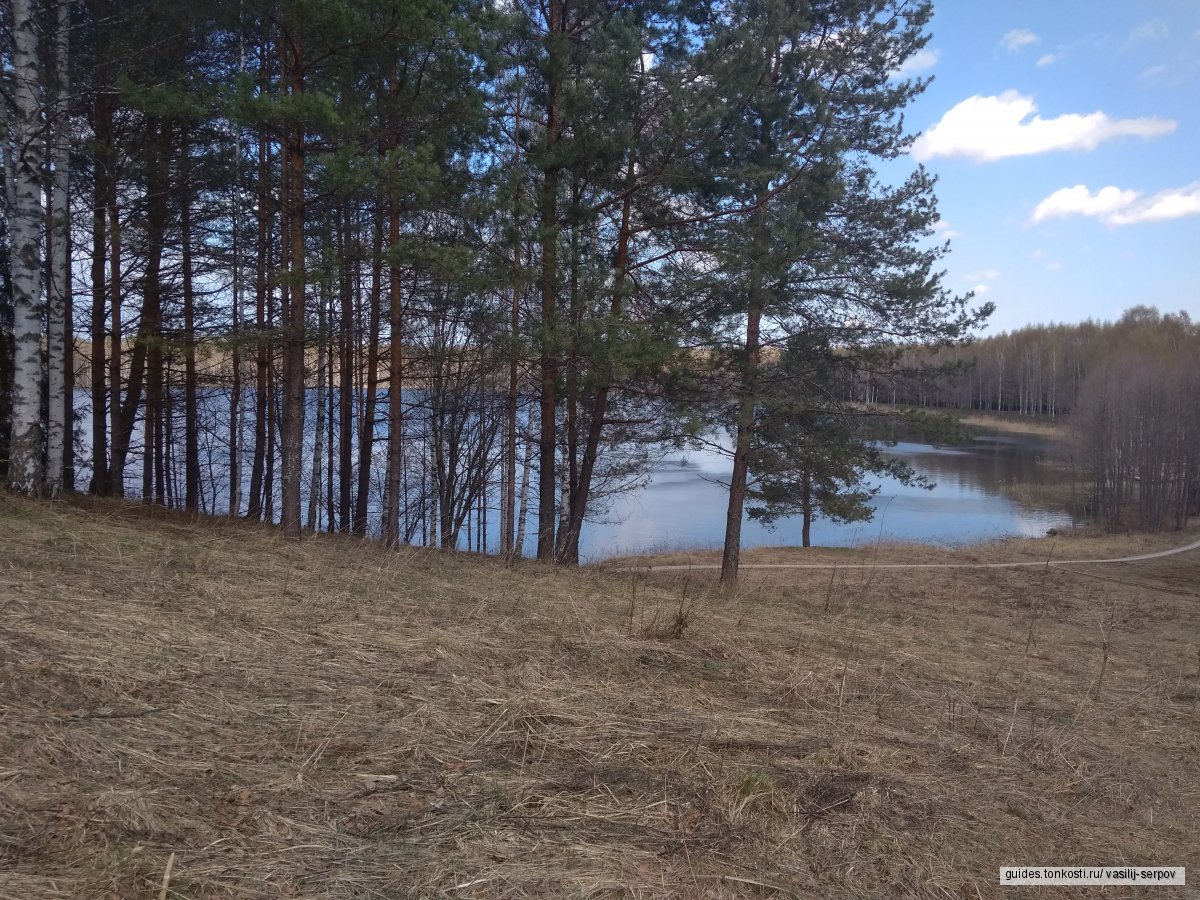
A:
(328, 720)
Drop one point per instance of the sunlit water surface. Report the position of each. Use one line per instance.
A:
(683, 505)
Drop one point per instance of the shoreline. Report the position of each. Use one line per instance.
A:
(1008, 423)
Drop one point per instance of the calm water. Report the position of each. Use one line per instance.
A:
(683, 506)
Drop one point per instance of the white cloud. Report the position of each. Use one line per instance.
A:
(921, 61)
(1150, 30)
(1079, 201)
(1153, 72)
(985, 275)
(1114, 206)
(1175, 203)
(1048, 59)
(944, 231)
(983, 280)
(991, 128)
(1018, 38)
(1045, 259)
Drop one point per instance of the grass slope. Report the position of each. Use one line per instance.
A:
(327, 720)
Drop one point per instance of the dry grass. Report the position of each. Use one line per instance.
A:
(1062, 494)
(1080, 542)
(1008, 423)
(326, 720)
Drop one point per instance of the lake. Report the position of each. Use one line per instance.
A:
(683, 505)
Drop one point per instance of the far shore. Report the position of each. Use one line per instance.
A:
(986, 420)
(1008, 423)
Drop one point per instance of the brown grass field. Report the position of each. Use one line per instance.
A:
(202, 710)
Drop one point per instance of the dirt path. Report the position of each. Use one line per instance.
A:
(841, 565)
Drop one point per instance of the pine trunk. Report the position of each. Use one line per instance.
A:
(508, 513)
(235, 388)
(58, 251)
(119, 443)
(103, 169)
(191, 402)
(591, 451)
(366, 425)
(548, 211)
(330, 413)
(148, 351)
(806, 509)
(314, 492)
(345, 378)
(747, 401)
(292, 434)
(395, 462)
(262, 401)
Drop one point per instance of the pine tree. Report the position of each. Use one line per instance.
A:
(812, 452)
(802, 236)
(596, 85)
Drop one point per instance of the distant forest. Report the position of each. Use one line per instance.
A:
(430, 270)
(1130, 390)
(1038, 370)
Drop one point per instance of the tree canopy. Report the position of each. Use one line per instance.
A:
(399, 266)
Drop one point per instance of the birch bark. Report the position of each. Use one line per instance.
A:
(26, 472)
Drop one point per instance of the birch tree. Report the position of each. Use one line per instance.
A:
(26, 472)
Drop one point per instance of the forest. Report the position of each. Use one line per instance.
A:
(413, 269)
(1127, 390)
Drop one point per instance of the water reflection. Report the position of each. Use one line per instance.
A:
(683, 506)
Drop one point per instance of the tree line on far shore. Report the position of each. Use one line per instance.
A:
(1129, 389)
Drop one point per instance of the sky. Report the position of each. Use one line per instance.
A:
(1066, 142)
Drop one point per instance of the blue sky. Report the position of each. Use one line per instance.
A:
(1066, 141)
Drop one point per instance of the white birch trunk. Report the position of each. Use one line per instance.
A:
(59, 249)
(26, 472)
(523, 497)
